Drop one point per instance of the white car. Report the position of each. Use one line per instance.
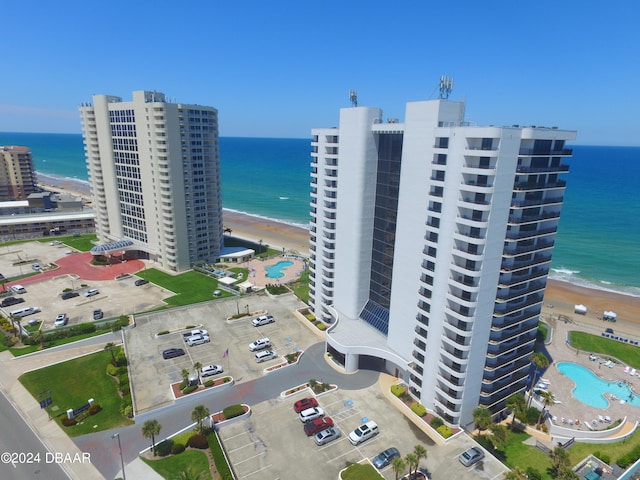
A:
(197, 331)
(91, 292)
(61, 320)
(363, 433)
(263, 320)
(209, 370)
(197, 340)
(259, 344)
(310, 414)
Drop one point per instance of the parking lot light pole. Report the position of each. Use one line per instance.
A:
(117, 435)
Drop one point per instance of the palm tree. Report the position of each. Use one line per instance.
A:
(190, 474)
(260, 242)
(197, 366)
(420, 452)
(200, 412)
(559, 461)
(541, 361)
(150, 429)
(547, 401)
(482, 418)
(185, 374)
(499, 437)
(411, 460)
(516, 403)
(398, 466)
(516, 474)
(110, 347)
(19, 329)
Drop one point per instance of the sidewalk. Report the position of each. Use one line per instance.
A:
(49, 432)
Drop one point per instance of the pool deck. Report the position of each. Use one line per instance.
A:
(573, 411)
(258, 274)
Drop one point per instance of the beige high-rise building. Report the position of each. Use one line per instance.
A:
(154, 168)
(17, 175)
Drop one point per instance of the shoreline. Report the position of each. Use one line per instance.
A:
(563, 295)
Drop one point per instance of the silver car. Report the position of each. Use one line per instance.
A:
(471, 456)
(326, 435)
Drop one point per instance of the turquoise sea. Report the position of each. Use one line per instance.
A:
(598, 242)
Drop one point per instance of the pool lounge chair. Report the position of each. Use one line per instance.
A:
(588, 426)
(626, 369)
(607, 419)
(601, 418)
(632, 372)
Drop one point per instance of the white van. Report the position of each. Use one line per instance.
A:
(23, 312)
(265, 355)
(19, 289)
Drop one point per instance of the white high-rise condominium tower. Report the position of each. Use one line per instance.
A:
(154, 169)
(430, 247)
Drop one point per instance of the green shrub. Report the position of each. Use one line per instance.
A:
(189, 389)
(418, 409)
(94, 408)
(233, 411)
(398, 390)
(218, 457)
(321, 326)
(177, 448)
(164, 332)
(226, 379)
(121, 359)
(183, 385)
(198, 441)
(603, 456)
(436, 422)
(164, 448)
(67, 422)
(444, 431)
(532, 416)
(533, 474)
(112, 369)
(123, 380)
(630, 457)
(209, 383)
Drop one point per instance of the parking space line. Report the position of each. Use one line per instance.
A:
(235, 436)
(249, 458)
(251, 444)
(256, 471)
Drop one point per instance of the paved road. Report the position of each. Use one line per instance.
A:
(19, 438)
(104, 449)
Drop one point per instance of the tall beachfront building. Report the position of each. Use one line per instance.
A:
(154, 168)
(431, 242)
(17, 175)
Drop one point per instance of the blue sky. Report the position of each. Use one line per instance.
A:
(280, 68)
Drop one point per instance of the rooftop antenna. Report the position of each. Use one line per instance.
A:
(353, 98)
(446, 85)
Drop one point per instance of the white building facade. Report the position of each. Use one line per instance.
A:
(431, 242)
(154, 168)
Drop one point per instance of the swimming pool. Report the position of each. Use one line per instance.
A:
(275, 271)
(590, 389)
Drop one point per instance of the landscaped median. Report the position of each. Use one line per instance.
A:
(180, 389)
(291, 359)
(318, 388)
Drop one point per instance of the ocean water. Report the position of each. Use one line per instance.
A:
(598, 241)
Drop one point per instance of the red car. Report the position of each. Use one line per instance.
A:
(314, 426)
(305, 403)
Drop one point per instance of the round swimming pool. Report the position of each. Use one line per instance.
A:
(276, 270)
(590, 389)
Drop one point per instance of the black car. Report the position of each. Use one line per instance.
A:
(68, 295)
(172, 353)
(98, 314)
(141, 281)
(7, 302)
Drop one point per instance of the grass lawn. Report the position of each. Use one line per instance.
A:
(523, 456)
(615, 450)
(171, 467)
(72, 383)
(19, 351)
(301, 286)
(83, 243)
(360, 471)
(604, 346)
(190, 287)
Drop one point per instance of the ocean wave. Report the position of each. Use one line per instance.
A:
(271, 219)
(42, 176)
(565, 271)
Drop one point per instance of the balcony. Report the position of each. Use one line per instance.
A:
(522, 219)
(530, 233)
(528, 152)
(548, 169)
(509, 265)
(506, 295)
(513, 251)
(525, 186)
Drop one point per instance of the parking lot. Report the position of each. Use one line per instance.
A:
(271, 443)
(152, 375)
(44, 290)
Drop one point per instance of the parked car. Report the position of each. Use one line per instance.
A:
(61, 320)
(197, 331)
(310, 414)
(197, 340)
(68, 295)
(18, 289)
(304, 404)
(259, 344)
(36, 267)
(385, 458)
(314, 426)
(608, 330)
(7, 302)
(325, 436)
(209, 370)
(98, 314)
(141, 281)
(419, 475)
(471, 456)
(91, 292)
(172, 353)
(263, 320)
(363, 433)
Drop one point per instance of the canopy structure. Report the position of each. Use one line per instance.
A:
(113, 247)
(581, 309)
(609, 315)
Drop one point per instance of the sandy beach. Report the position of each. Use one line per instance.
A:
(560, 297)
